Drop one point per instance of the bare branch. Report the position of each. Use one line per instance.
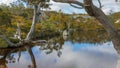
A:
(100, 3)
(43, 16)
(70, 1)
(116, 0)
(75, 6)
(39, 42)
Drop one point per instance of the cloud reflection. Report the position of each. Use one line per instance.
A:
(74, 56)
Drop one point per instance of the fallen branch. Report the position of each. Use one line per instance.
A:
(23, 42)
(39, 42)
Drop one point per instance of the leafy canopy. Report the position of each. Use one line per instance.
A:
(41, 3)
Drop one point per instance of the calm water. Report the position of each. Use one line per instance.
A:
(79, 50)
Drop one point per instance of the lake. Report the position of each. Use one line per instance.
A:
(91, 49)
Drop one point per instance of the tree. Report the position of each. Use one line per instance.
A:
(97, 13)
(88, 5)
(37, 5)
(5, 18)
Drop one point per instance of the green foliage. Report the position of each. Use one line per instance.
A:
(5, 18)
(24, 14)
(41, 3)
(56, 21)
(3, 43)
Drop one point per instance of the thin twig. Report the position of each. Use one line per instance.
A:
(100, 3)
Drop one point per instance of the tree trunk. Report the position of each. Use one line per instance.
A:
(117, 48)
(35, 20)
(103, 19)
(29, 49)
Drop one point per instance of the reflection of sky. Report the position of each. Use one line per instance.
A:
(78, 46)
(77, 55)
(1, 56)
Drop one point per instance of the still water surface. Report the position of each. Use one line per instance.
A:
(79, 50)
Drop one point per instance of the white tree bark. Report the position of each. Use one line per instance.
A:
(31, 33)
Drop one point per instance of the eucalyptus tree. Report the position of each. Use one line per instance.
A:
(97, 13)
(37, 5)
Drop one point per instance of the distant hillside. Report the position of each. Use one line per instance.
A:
(50, 21)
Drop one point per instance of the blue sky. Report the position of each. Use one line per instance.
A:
(109, 5)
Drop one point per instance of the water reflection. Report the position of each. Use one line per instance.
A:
(80, 50)
(118, 52)
(8, 56)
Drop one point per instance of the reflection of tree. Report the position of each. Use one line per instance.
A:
(118, 51)
(3, 63)
(54, 44)
(88, 36)
(9, 58)
(28, 48)
(5, 55)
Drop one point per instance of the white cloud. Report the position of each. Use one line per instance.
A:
(6, 1)
(108, 5)
(66, 8)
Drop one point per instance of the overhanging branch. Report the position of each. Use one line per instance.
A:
(75, 6)
(70, 1)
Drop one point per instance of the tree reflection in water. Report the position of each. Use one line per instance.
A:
(7, 56)
(49, 47)
(54, 44)
(117, 48)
